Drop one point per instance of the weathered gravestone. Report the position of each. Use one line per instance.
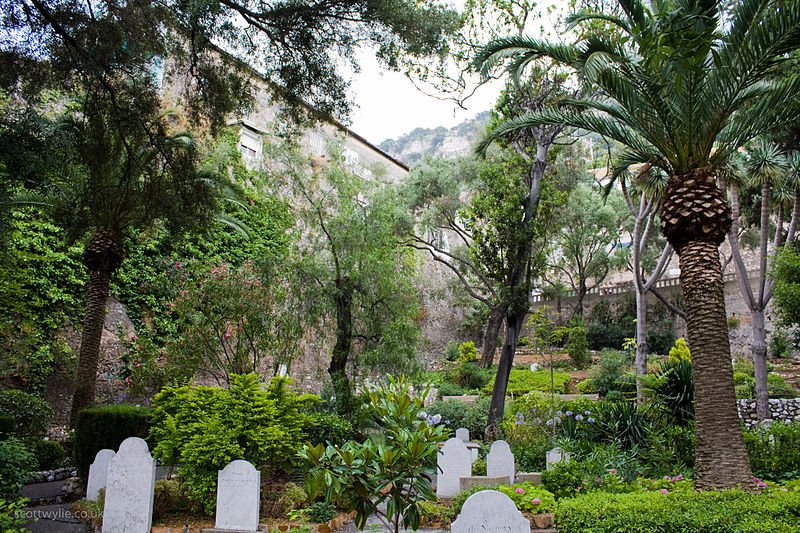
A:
(556, 455)
(128, 505)
(98, 473)
(462, 434)
(490, 511)
(238, 497)
(453, 463)
(500, 461)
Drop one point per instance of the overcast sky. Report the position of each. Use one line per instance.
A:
(389, 105)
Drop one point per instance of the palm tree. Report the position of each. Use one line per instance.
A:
(681, 91)
(124, 171)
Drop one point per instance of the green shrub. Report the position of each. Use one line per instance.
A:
(322, 428)
(564, 480)
(106, 427)
(12, 518)
(670, 450)
(780, 344)
(523, 381)
(16, 463)
(774, 451)
(578, 347)
(710, 512)
(169, 497)
(624, 423)
(456, 414)
(30, 412)
(6, 426)
(529, 497)
(530, 446)
(467, 352)
(611, 373)
(680, 352)
(586, 386)
(321, 512)
(470, 376)
(50, 454)
(449, 388)
(451, 351)
(204, 428)
(778, 387)
(673, 391)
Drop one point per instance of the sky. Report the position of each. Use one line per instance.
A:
(389, 105)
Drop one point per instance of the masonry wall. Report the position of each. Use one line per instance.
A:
(780, 410)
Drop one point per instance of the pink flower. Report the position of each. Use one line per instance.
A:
(536, 501)
(667, 478)
(520, 490)
(612, 471)
(679, 477)
(664, 491)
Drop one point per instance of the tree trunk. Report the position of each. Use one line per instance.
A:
(581, 295)
(759, 350)
(103, 255)
(91, 333)
(720, 459)
(514, 323)
(493, 325)
(641, 342)
(337, 369)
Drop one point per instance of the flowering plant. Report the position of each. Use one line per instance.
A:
(530, 498)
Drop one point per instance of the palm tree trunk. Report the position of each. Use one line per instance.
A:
(493, 325)
(89, 355)
(721, 459)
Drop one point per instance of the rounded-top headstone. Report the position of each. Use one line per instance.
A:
(134, 446)
(490, 510)
(128, 506)
(238, 496)
(500, 461)
(454, 462)
(98, 473)
(462, 434)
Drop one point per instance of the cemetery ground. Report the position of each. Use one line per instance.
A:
(576, 454)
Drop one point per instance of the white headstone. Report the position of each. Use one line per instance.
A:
(556, 455)
(490, 510)
(500, 461)
(462, 434)
(129, 490)
(98, 473)
(453, 463)
(238, 496)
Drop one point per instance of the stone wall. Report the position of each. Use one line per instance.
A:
(782, 409)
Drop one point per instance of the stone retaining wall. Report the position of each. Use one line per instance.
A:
(783, 409)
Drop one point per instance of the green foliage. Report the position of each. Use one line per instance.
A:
(529, 444)
(470, 376)
(41, 289)
(457, 414)
(673, 389)
(786, 272)
(202, 429)
(49, 454)
(321, 512)
(670, 449)
(624, 423)
(12, 517)
(6, 426)
(394, 467)
(106, 427)
(30, 412)
(777, 386)
(729, 511)
(530, 498)
(578, 346)
(523, 381)
(467, 352)
(680, 352)
(612, 373)
(608, 327)
(16, 462)
(774, 451)
(169, 497)
(448, 388)
(780, 343)
(328, 428)
(564, 480)
(451, 351)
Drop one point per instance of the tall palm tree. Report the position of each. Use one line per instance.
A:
(681, 91)
(124, 171)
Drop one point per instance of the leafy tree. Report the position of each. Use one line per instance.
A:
(356, 269)
(586, 246)
(682, 93)
(775, 174)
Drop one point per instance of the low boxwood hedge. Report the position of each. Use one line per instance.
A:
(730, 511)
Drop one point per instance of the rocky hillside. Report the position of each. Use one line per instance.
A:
(438, 142)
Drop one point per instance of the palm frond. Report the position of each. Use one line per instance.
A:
(497, 51)
(588, 16)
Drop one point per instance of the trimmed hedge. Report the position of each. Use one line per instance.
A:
(522, 381)
(106, 427)
(6, 426)
(730, 511)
